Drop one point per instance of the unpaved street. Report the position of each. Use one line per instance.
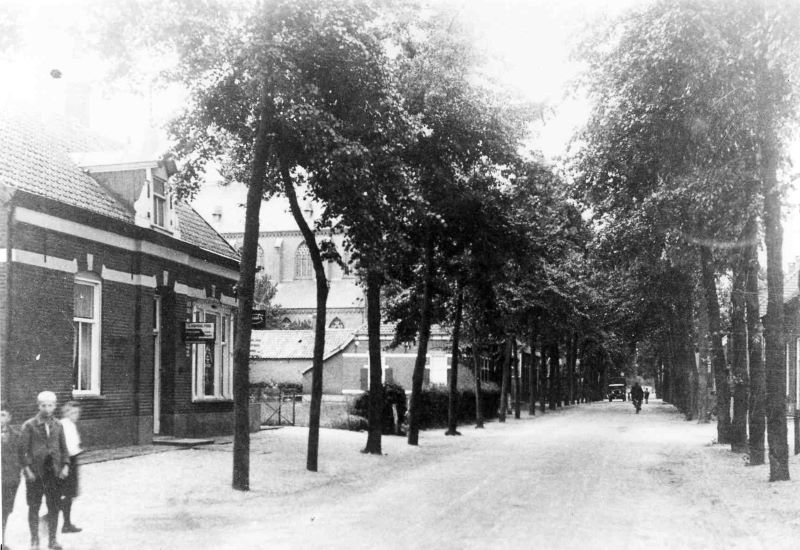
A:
(589, 476)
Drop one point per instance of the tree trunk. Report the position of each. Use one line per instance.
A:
(476, 350)
(718, 354)
(555, 375)
(505, 380)
(543, 393)
(452, 403)
(533, 375)
(375, 413)
(573, 349)
(515, 365)
(773, 326)
(319, 326)
(755, 349)
(245, 288)
(422, 350)
(738, 433)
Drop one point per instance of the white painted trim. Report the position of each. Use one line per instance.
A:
(797, 373)
(115, 276)
(45, 262)
(68, 227)
(190, 291)
(119, 166)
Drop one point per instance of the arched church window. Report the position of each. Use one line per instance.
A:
(336, 323)
(303, 268)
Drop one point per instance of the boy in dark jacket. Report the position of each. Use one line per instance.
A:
(12, 465)
(45, 460)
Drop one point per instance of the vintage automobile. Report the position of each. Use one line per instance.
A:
(617, 389)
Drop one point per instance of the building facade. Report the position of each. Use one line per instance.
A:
(100, 269)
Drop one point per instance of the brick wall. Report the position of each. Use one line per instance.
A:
(41, 340)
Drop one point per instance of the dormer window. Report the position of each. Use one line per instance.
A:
(159, 202)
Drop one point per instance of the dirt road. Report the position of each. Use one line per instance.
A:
(589, 476)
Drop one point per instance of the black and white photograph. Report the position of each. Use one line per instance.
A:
(400, 274)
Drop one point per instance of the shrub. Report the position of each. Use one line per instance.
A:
(434, 405)
(393, 394)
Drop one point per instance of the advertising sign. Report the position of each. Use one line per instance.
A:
(258, 319)
(199, 332)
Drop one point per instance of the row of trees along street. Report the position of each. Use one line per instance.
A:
(637, 251)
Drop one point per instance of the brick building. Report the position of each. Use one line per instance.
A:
(285, 356)
(99, 269)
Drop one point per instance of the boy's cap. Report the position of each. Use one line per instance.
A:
(46, 396)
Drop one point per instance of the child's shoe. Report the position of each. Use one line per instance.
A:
(70, 528)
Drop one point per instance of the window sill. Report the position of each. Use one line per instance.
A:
(161, 229)
(87, 396)
(212, 400)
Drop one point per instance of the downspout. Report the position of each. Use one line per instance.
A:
(7, 351)
(136, 265)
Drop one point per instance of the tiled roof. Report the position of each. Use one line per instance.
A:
(35, 157)
(295, 344)
(302, 294)
(195, 230)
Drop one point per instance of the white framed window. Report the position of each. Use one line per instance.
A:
(212, 362)
(303, 268)
(159, 203)
(485, 368)
(788, 371)
(87, 333)
(797, 372)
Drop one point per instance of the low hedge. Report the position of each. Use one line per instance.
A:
(434, 403)
(393, 394)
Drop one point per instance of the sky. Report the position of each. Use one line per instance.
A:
(527, 44)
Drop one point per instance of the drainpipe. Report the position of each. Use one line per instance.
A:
(6, 356)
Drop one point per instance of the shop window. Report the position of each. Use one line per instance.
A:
(212, 362)
(86, 341)
(303, 268)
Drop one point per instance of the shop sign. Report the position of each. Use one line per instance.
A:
(199, 332)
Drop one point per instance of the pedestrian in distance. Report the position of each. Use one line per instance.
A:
(636, 396)
(45, 461)
(647, 395)
(12, 466)
(70, 414)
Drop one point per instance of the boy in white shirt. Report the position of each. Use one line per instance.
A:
(70, 414)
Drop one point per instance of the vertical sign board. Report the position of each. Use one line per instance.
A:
(258, 319)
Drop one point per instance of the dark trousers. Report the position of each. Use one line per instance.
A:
(46, 484)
